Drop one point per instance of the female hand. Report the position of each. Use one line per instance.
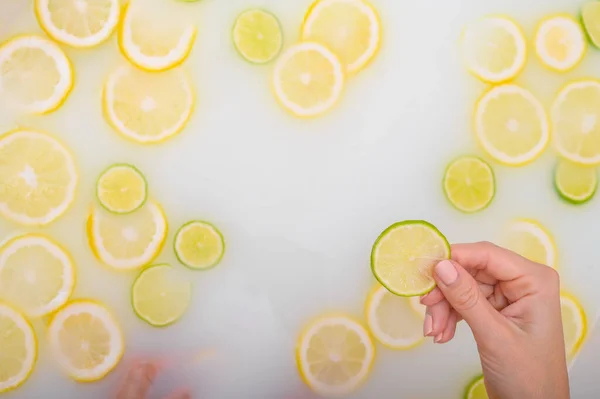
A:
(139, 380)
(512, 306)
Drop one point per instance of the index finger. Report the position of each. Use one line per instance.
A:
(500, 263)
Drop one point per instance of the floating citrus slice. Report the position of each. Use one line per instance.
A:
(469, 184)
(476, 390)
(575, 183)
(574, 323)
(199, 245)
(122, 188)
(533, 241)
(590, 15)
(560, 42)
(257, 36)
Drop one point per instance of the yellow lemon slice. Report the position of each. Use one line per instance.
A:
(511, 125)
(393, 320)
(574, 323)
(154, 42)
(39, 177)
(159, 296)
(36, 274)
(131, 241)
(335, 355)
(122, 188)
(576, 184)
(78, 23)
(199, 245)
(476, 389)
(35, 74)
(469, 184)
(350, 28)
(575, 118)
(86, 340)
(531, 240)
(148, 107)
(560, 43)
(18, 348)
(494, 49)
(308, 79)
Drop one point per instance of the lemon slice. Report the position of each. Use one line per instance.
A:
(350, 28)
(199, 245)
(308, 79)
(574, 323)
(511, 125)
(18, 348)
(86, 340)
(35, 74)
(404, 255)
(78, 23)
(531, 240)
(148, 107)
(575, 183)
(576, 122)
(131, 241)
(122, 188)
(39, 177)
(154, 42)
(494, 49)
(335, 355)
(257, 36)
(590, 15)
(560, 42)
(36, 274)
(393, 320)
(476, 389)
(469, 184)
(160, 296)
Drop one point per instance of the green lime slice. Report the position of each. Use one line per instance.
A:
(476, 389)
(469, 184)
(575, 183)
(122, 188)
(199, 245)
(590, 16)
(257, 36)
(404, 255)
(159, 296)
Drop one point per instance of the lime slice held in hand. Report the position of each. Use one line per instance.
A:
(469, 184)
(257, 36)
(575, 183)
(122, 188)
(199, 245)
(404, 255)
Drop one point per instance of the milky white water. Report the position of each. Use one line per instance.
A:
(301, 202)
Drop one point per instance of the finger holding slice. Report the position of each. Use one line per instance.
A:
(199, 245)
(560, 43)
(511, 125)
(86, 340)
(18, 348)
(36, 274)
(404, 255)
(78, 23)
(122, 189)
(35, 75)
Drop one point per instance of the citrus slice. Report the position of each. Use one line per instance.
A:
(404, 255)
(131, 241)
(199, 245)
(494, 49)
(576, 122)
(574, 323)
(160, 296)
(469, 184)
(154, 42)
(122, 188)
(575, 183)
(560, 42)
(393, 320)
(334, 355)
(18, 348)
(308, 79)
(35, 74)
(350, 28)
(148, 107)
(531, 240)
(511, 125)
(78, 23)
(257, 36)
(36, 274)
(39, 177)
(476, 389)
(86, 340)
(590, 16)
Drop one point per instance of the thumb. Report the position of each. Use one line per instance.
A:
(462, 292)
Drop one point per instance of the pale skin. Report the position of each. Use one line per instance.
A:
(512, 306)
(139, 379)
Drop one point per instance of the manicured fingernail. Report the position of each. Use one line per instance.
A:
(428, 325)
(438, 338)
(446, 271)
